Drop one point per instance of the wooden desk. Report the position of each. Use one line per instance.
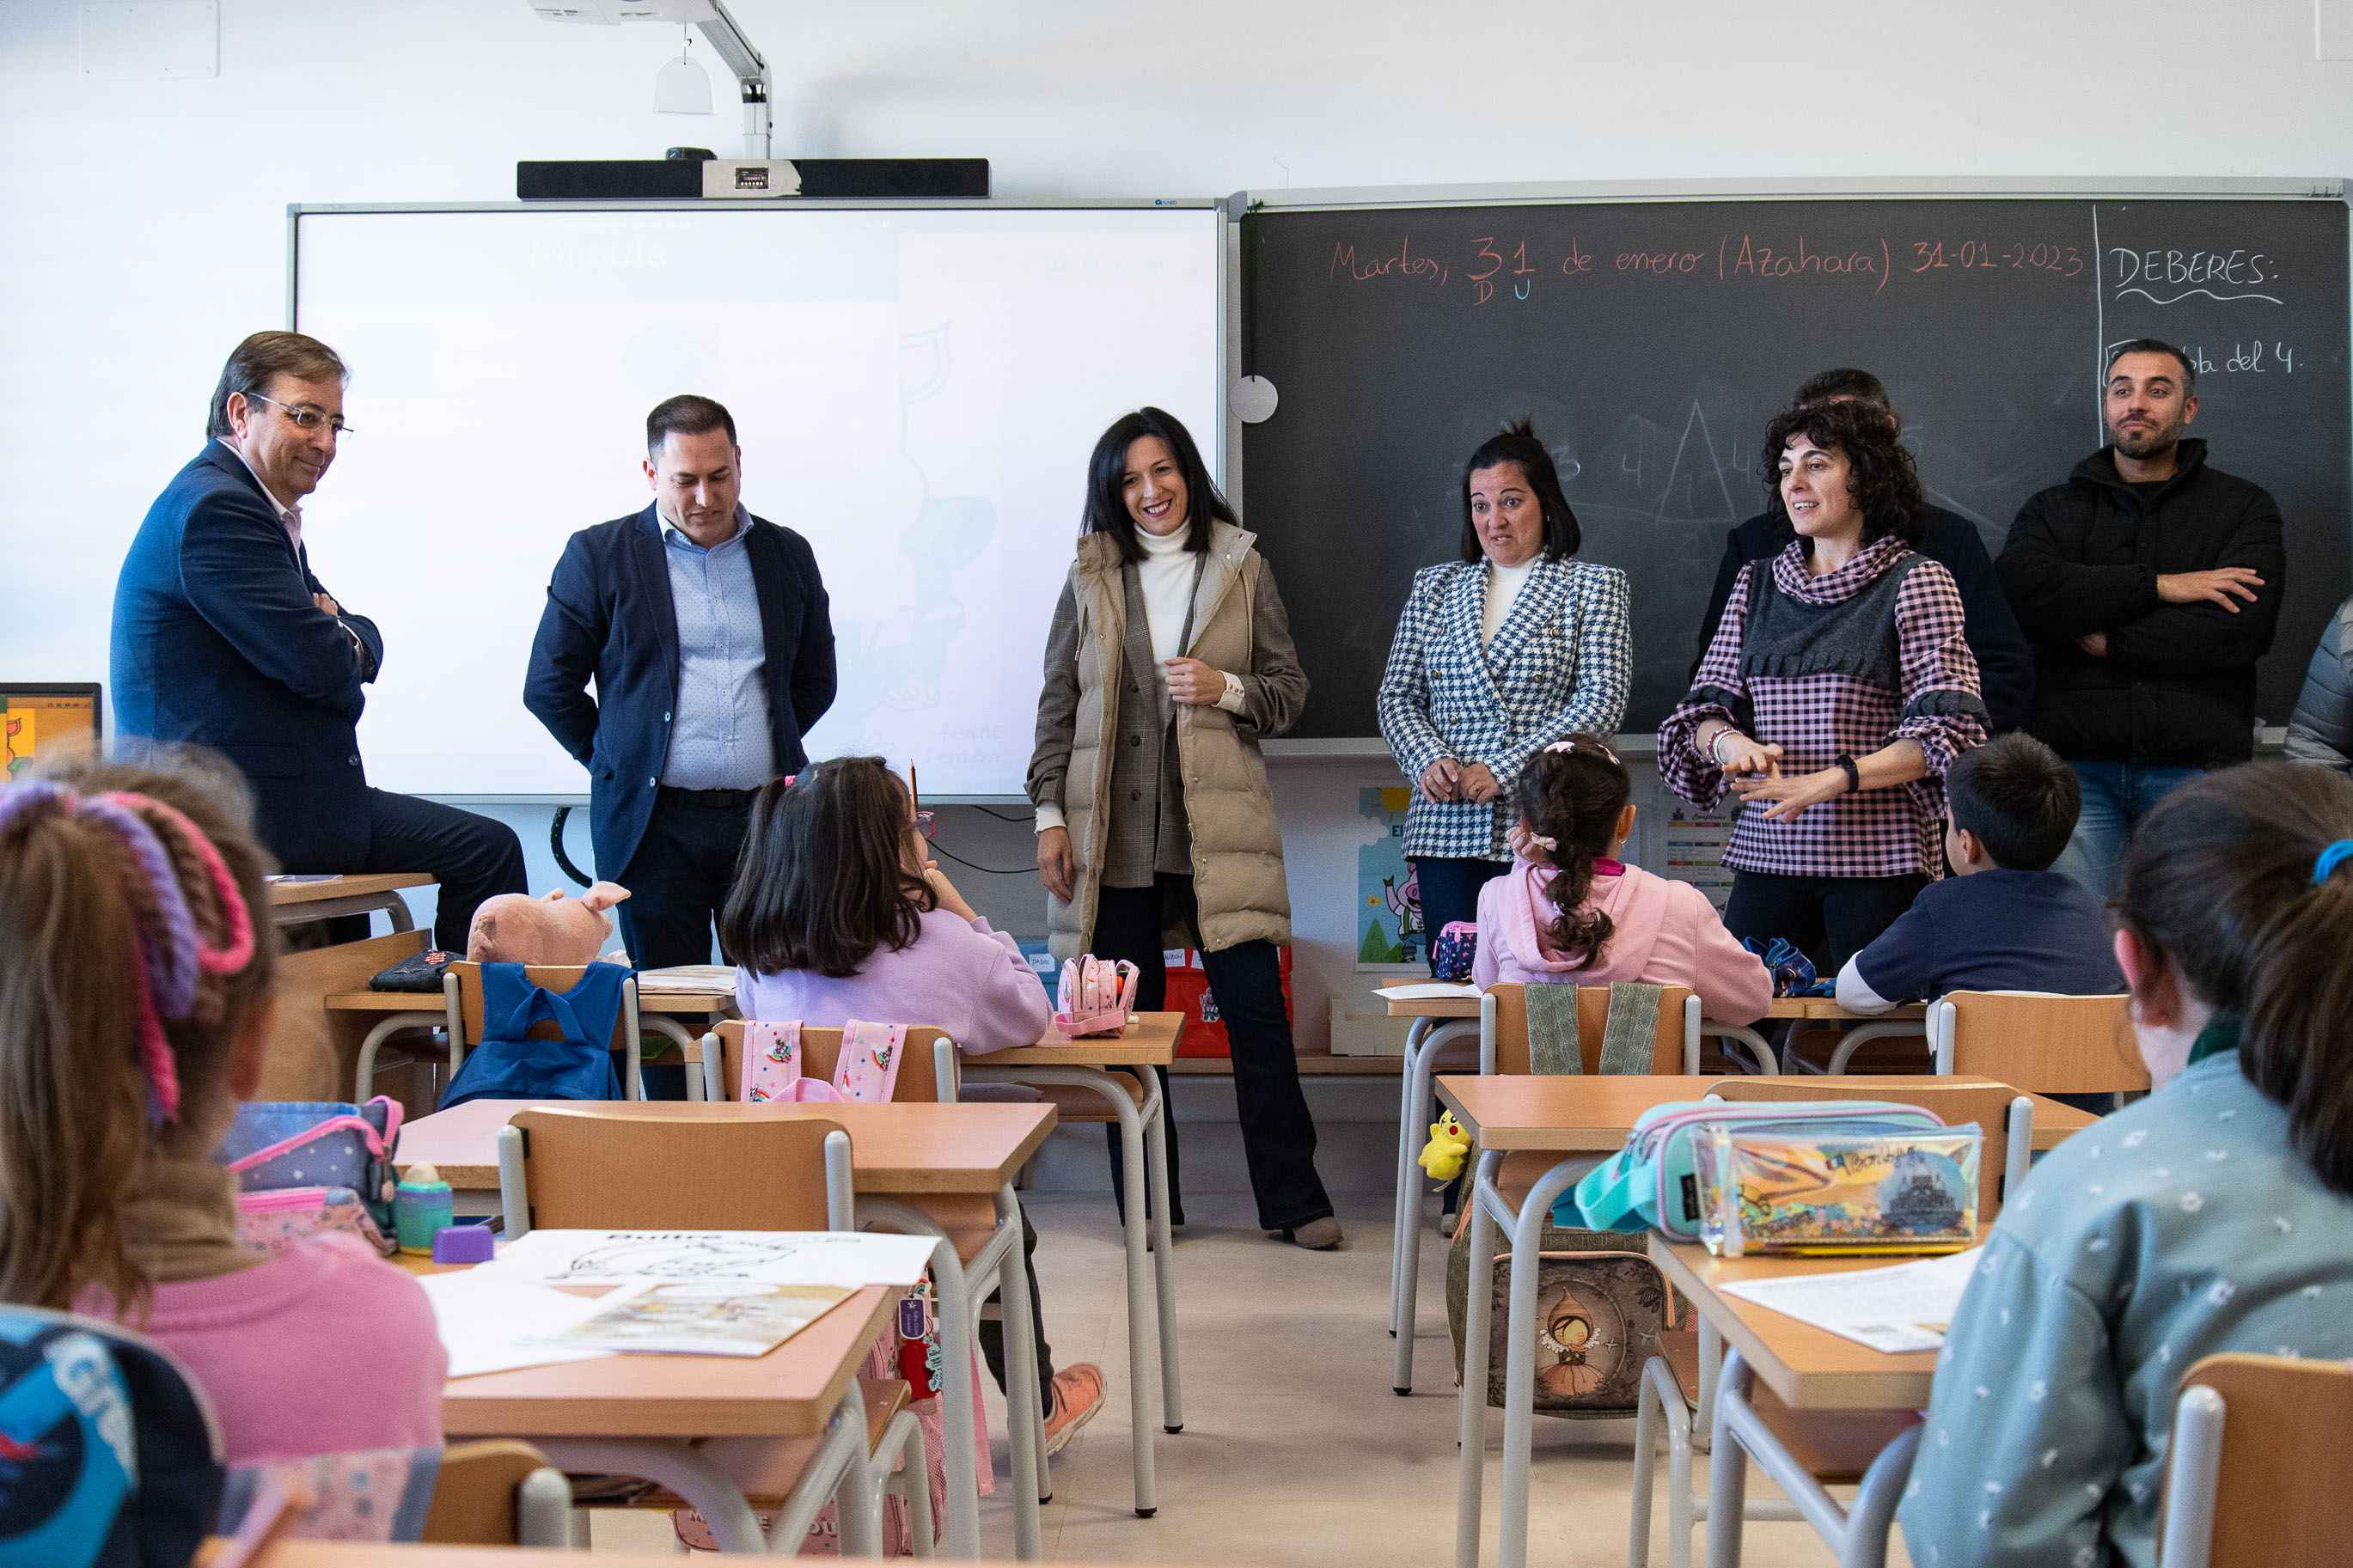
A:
(899, 1149)
(1593, 1115)
(295, 903)
(1809, 1368)
(904, 1149)
(1149, 1041)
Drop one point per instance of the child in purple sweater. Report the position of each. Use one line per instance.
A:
(135, 1005)
(836, 914)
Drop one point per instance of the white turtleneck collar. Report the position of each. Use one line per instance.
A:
(1166, 576)
(1503, 585)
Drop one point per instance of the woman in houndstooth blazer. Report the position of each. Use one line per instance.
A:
(1496, 656)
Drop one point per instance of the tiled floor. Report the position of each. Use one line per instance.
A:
(1295, 1450)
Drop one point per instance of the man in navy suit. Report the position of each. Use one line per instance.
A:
(708, 635)
(223, 638)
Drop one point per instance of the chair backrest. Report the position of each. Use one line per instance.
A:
(500, 1492)
(559, 979)
(2285, 1428)
(1987, 1104)
(2044, 1045)
(1592, 1020)
(647, 1166)
(918, 1079)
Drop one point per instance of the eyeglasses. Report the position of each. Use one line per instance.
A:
(925, 823)
(306, 418)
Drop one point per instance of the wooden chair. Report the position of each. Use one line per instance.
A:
(1834, 1446)
(616, 1166)
(2256, 1456)
(927, 1067)
(1675, 1048)
(644, 1167)
(498, 1493)
(2044, 1043)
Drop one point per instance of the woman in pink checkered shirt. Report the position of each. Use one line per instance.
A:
(1836, 691)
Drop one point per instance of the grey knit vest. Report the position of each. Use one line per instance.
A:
(1788, 639)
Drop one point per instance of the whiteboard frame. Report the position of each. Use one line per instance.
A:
(1567, 193)
(1225, 434)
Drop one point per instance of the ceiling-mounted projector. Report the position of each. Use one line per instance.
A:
(612, 13)
(719, 29)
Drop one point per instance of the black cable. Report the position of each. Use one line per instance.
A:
(985, 870)
(555, 843)
(1001, 816)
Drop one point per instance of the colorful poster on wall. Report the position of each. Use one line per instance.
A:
(1694, 849)
(22, 731)
(1388, 905)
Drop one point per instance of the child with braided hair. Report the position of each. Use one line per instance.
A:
(1570, 910)
(135, 1002)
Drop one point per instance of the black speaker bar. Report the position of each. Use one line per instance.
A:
(833, 179)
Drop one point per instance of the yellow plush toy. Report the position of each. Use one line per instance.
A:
(1448, 1148)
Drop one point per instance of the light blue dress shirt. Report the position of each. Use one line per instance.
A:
(719, 737)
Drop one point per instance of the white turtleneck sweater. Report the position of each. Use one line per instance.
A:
(1166, 576)
(1503, 585)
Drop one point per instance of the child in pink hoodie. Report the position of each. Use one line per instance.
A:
(1569, 910)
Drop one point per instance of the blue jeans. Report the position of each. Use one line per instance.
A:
(2116, 796)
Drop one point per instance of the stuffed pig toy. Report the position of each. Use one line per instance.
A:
(515, 928)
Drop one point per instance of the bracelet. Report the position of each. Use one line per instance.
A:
(1715, 746)
(1853, 773)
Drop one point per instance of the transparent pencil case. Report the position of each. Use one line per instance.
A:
(1778, 1191)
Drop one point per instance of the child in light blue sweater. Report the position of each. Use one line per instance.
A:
(2216, 1215)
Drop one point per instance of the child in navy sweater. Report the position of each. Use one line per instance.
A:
(2005, 921)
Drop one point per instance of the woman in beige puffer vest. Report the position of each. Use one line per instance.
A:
(1169, 659)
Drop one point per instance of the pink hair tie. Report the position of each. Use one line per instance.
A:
(239, 953)
(1550, 845)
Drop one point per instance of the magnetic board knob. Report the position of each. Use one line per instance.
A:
(1253, 399)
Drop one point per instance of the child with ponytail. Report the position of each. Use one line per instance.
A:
(1569, 911)
(2215, 1215)
(136, 955)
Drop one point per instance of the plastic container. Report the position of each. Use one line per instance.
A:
(420, 1205)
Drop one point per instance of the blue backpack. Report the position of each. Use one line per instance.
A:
(110, 1455)
(510, 1064)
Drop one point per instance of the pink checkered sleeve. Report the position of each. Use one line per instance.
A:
(1944, 707)
(1682, 767)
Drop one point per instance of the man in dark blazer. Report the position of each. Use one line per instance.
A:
(2005, 664)
(223, 638)
(708, 635)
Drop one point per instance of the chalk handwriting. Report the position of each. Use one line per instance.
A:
(1404, 264)
(2168, 277)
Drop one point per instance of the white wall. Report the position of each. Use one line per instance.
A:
(142, 223)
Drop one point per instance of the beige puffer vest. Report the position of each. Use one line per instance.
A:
(1237, 848)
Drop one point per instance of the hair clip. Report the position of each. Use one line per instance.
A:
(1570, 743)
(2336, 854)
(1550, 845)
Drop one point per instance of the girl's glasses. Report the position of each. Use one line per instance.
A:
(925, 823)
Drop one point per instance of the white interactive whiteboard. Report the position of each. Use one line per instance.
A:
(917, 392)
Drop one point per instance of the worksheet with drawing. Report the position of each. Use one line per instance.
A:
(916, 392)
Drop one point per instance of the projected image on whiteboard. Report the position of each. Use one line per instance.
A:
(916, 392)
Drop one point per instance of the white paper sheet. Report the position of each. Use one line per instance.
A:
(687, 979)
(764, 1256)
(487, 1324)
(1422, 991)
(1904, 1307)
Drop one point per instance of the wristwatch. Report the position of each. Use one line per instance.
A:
(1853, 773)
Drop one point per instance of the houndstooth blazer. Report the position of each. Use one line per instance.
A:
(1559, 665)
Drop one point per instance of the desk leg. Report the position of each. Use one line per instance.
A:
(1471, 1400)
(678, 1469)
(1406, 1196)
(1405, 1255)
(1024, 1401)
(1140, 1288)
(1727, 1470)
(839, 1467)
(1520, 1349)
(960, 1461)
(1155, 1154)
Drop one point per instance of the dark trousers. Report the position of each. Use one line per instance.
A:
(1450, 892)
(992, 1331)
(1831, 917)
(679, 875)
(1277, 1131)
(472, 858)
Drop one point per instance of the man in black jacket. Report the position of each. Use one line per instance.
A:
(707, 633)
(2150, 585)
(2005, 667)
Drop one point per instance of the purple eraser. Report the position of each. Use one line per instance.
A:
(463, 1244)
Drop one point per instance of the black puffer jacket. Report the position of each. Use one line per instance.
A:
(2176, 687)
